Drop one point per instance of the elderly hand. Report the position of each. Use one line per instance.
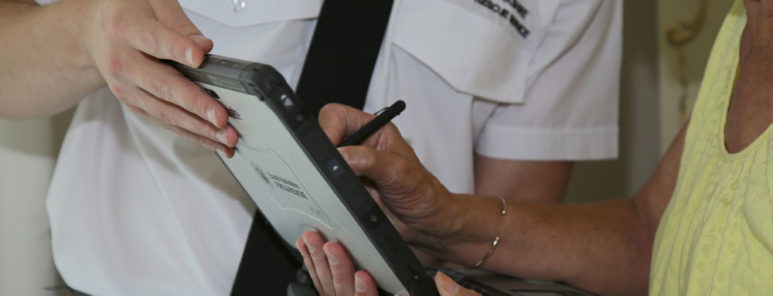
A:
(124, 40)
(332, 271)
(419, 206)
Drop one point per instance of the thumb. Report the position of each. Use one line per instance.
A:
(340, 121)
(171, 14)
(447, 287)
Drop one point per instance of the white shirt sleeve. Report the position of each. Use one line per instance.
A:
(570, 109)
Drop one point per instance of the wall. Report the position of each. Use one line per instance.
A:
(650, 93)
(672, 14)
(27, 155)
(639, 134)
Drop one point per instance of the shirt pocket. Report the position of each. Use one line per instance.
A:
(480, 47)
(240, 13)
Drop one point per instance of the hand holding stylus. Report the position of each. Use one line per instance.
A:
(414, 199)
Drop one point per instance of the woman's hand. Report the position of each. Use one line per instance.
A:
(332, 271)
(124, 39)
(419, 206)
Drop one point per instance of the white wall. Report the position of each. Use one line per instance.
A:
(27, 155)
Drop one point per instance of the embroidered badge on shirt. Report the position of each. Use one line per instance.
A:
(511, 11)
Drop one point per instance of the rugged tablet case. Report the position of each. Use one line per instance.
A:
(381, 250)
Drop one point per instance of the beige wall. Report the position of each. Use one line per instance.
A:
(649, 96)
(639, 134)
(671, 14)
(27, 155)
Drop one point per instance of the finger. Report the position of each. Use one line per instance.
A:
(226, 151)
(314, 242)
(447, 287)
(301, 245)
(339, 121)
(386, 168)
(341, 268)
(164, 82)
(364, 285)
(175, 116)
(149, 36)
(171, 14)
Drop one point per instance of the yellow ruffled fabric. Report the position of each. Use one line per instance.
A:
(716, 236)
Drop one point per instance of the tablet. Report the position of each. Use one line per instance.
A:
(297, 178)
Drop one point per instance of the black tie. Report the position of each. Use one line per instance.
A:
(343, 52)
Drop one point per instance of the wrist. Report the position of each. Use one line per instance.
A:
(447, 225)
(80, 50)
(471, 225)
(438, 227)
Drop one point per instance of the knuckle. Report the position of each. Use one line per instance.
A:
(149, 41)
(338, 280)
(114, 66)
(327, 109)
(118, 92)
(160, 88)
(167, 117)
(180, 24)
(114, 24)
(333, 110)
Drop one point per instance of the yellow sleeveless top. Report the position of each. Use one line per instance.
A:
(716, 235)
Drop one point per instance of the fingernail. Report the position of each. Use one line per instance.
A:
(360, 285)
(312, 249)
(222, 136)
(448, 285)
(200, 39)
(211, 115)
(333, 260)
(189, 56)
(221, 152)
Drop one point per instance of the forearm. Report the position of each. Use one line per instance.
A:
(603, 247)
(522, 180)
(44, 67)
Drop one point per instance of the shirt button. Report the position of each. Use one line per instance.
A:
(238, 5)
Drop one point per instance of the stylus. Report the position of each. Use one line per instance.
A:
(382, 118)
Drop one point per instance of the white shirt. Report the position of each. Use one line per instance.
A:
(137, 210)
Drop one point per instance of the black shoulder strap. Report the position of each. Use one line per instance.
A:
(343, 52)
(338, 68)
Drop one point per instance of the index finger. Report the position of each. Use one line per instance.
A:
(168, 84)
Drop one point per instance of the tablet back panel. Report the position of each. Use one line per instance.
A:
(296, 177)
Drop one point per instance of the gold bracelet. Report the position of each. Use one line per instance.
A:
(496, 239)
